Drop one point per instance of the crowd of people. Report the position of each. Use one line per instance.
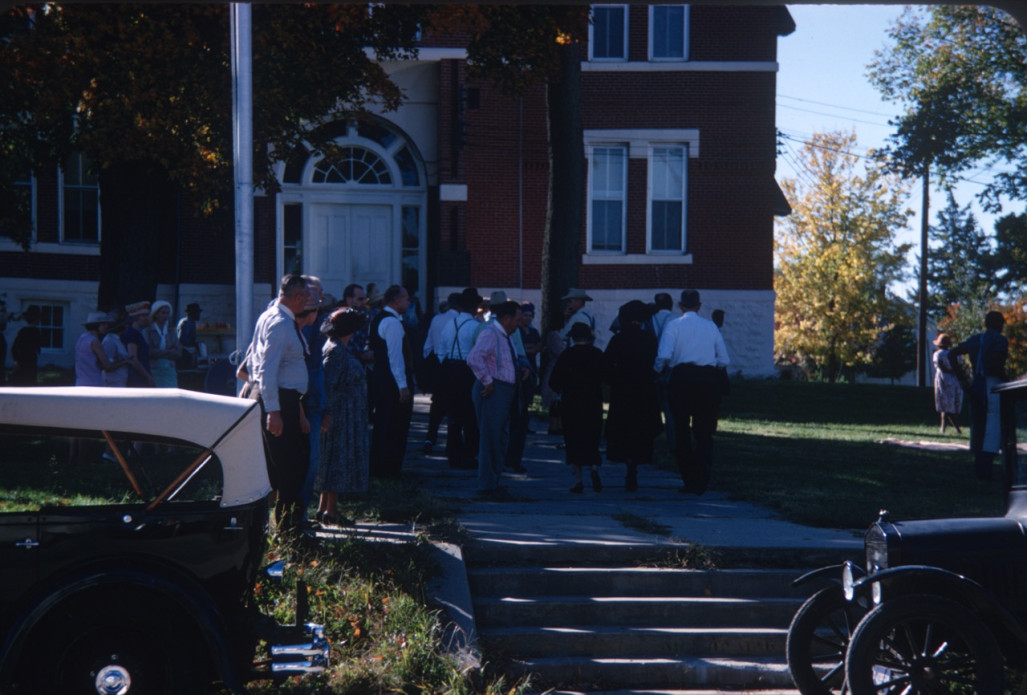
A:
(335, 381)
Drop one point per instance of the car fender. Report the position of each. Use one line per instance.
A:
(925, 579)
(193, 601)
(831, 571)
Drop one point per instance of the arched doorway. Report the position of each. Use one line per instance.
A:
(357, 211)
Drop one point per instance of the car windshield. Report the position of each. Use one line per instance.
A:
(43, 468)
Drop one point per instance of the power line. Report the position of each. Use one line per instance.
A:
(835, 106)
(832, 115)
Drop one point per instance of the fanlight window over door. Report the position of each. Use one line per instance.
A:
(351, 164)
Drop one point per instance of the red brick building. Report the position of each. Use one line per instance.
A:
(450, 190)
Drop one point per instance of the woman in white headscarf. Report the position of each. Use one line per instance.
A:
(164, 347)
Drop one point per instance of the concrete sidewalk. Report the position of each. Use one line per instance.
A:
(542, 513)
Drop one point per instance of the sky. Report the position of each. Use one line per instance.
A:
(822, 86)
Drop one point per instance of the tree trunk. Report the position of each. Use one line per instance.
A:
(137, 212)
(561, 246)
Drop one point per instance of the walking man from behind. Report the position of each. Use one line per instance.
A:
(693, 349)
(391, 385)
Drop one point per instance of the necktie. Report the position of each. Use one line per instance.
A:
(303, 341)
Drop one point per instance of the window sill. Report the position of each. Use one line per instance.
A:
(636, 259)
(68, 249)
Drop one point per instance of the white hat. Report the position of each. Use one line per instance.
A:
(575, 293)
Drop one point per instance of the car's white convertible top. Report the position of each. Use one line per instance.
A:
(229, 427)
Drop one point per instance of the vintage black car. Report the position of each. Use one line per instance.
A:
(132, 534)
(940, 605)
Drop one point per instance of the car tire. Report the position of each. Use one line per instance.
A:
(133, 641)
(818, 639)
(923, 644)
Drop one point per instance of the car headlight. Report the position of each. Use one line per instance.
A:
(876, 545)
(876, 549)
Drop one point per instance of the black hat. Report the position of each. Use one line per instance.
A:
(580, 331)
(690, 298)
(635, 310)
(470, 299)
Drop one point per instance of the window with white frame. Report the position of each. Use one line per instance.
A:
(608, 173)
(668, 32)
(80, 201)
(608, 33)
(51, 324)
(667, 187)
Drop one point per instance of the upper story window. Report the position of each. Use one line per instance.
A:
(667, 187)
(80, 201)
(608, 177)
(608, 33)
(668, 32)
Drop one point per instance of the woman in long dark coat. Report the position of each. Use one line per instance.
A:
(633, 421)
(578, 377)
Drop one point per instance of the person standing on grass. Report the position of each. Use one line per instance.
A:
(948, 391)
(344, 466)
(494, 363)
(279, 373)
(578, 378)
(988, 352)
(693, 349)
(26, 348)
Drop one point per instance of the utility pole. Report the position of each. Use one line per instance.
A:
(921, 332)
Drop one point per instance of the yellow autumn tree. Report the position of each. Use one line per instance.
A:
(835, 257)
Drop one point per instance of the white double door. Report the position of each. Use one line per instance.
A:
(351, 243)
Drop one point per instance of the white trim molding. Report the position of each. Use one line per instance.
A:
(453, 192)
(654, 258)
(681, 66)
(639, 140)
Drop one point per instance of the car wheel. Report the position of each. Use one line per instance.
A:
(923, 644)
(817, 640)
(129, 644)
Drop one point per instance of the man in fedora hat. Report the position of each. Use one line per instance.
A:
(692, 347)
(574, 312)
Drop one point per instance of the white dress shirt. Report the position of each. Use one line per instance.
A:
(278, 358)
(456, 344)
(493, 357)
(691, 339)
(392, 333)
(431, 341)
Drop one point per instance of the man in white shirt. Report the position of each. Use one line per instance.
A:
(391, 385)
(694, 350)
(493, 360)
(279, 370)
(456, 379)
(432, 355)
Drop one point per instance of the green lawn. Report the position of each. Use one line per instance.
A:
(811, 451)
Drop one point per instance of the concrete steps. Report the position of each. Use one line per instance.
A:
(622, 629)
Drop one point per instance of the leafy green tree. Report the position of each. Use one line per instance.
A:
(959, 263)
(835, 256)
(144, 91)
(1010, 257)
(957, 71)
(895, 352)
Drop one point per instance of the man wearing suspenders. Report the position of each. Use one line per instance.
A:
(455, 381)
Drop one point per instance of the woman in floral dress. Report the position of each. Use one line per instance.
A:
(344, 464)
